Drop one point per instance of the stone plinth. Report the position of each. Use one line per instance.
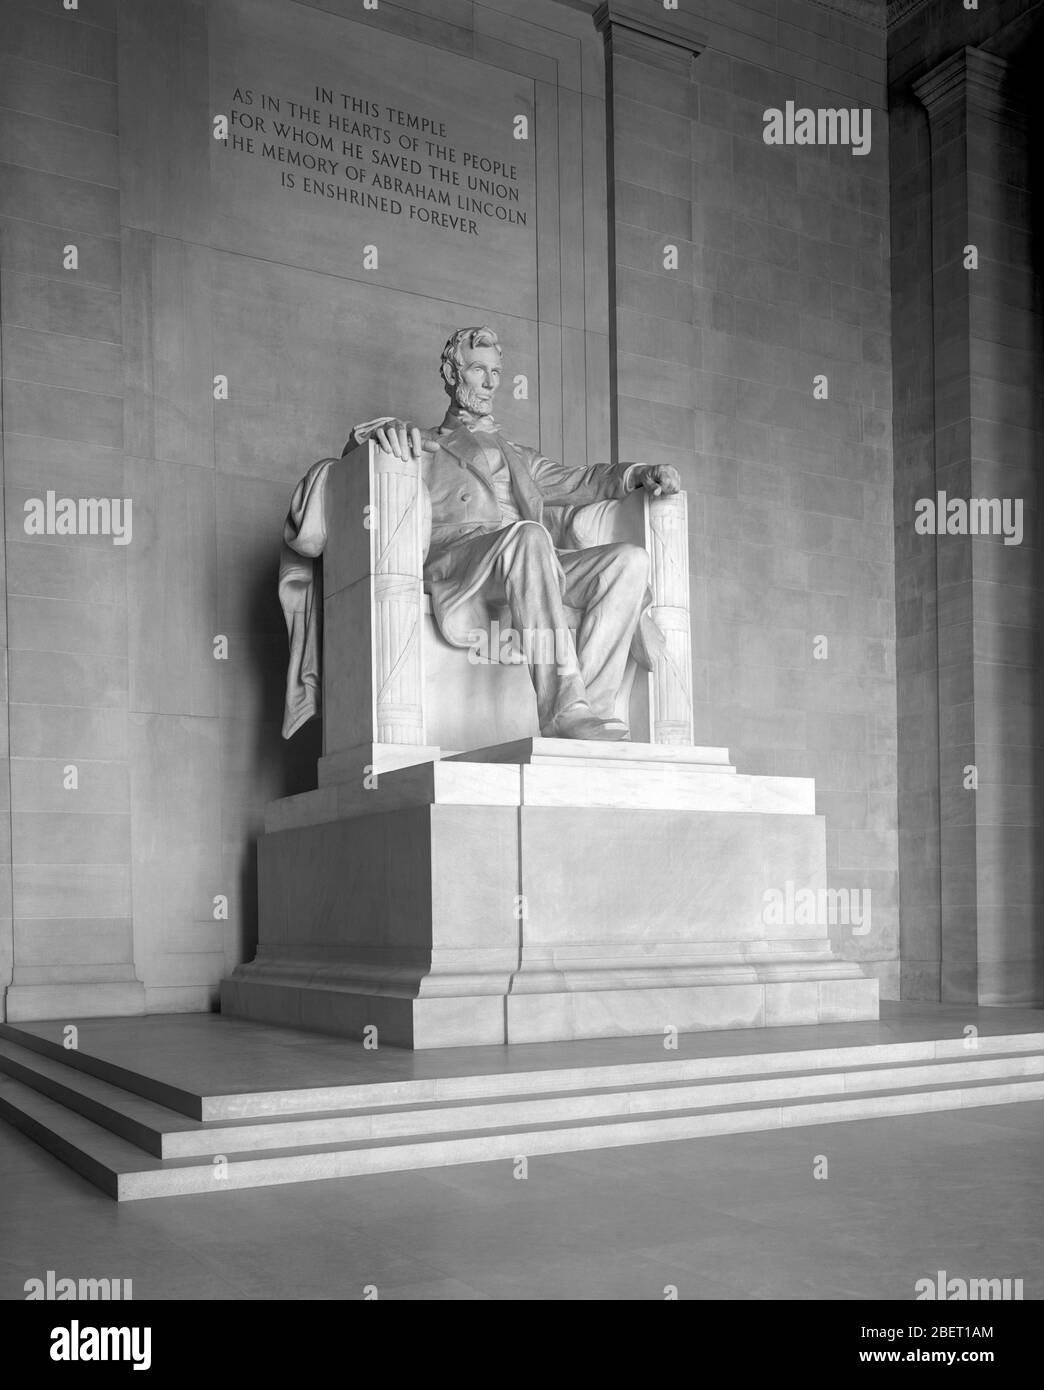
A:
(544, 890)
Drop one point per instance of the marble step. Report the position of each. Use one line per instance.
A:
(165, 1134)
(493, 1085)
(120, 1168)
(173, 1097)
(143, 1122)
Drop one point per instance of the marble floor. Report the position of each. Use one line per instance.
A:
(735, 1217)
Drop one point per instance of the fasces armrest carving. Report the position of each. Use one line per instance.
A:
(667, 539)
(400, 530)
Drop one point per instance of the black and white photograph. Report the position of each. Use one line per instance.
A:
(522, 695)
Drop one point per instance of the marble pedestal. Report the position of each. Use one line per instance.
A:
(543, 890)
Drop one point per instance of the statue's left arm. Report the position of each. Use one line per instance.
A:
(598, 482)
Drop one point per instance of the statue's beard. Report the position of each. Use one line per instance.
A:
(470, 400)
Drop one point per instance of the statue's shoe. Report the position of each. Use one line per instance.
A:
(621, 730)
(579, 721)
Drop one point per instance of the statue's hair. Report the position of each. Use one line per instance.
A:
(453, 352)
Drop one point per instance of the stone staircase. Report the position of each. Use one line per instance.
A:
(136, 1136)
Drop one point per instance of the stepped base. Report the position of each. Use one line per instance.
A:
(162, 1106)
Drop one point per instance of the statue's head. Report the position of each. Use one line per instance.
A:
(471, 363)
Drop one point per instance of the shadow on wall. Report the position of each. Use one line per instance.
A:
(277, 767)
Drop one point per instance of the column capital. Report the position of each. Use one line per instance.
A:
(972, 76)
(665, 38)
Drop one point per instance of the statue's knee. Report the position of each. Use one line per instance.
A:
(633, 560)
(532, 538)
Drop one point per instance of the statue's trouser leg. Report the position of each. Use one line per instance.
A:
(528, 569)
(610, 584)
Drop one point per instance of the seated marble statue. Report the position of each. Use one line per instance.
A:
(489, 544)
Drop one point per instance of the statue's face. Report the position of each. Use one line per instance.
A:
(477, 380)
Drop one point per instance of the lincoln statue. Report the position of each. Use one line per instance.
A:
(490, 545)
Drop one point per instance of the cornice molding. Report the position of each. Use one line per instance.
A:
(627, 19)
(970, 75)
(876, 13)
(900, 10)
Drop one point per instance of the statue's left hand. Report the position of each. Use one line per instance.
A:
(657, 478)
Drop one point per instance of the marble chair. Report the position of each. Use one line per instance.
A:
(395, 692)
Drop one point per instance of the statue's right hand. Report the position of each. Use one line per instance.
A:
(400, 438)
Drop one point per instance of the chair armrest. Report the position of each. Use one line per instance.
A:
(378, 520)
(667, 540)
